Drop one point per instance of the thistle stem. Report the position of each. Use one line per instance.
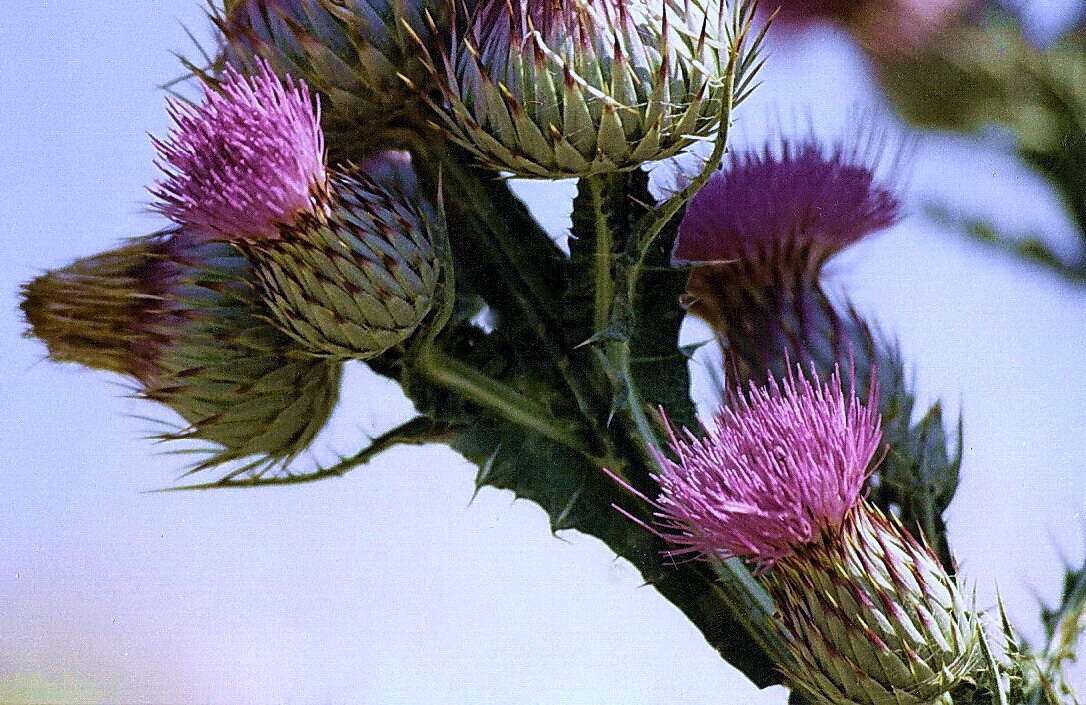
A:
(605, 205)
(645, 234)
(528, 293)
(497, 397)
(470, 382)
(603, 292)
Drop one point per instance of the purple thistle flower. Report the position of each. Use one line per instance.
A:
(800, 200)
(246, 161)
(784, 463)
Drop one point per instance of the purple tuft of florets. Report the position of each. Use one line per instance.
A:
(783, 464)
(247, 160)
(799, 199)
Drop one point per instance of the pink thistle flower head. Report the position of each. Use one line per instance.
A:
(796, 199)
(246, 161)
(784, 464)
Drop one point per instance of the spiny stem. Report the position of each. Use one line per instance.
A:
(470, 382)
(606, 202)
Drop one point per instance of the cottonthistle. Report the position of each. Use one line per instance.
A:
(868, 614)
(354, 53)
(562, 88)
(758, 235)
(347, 264)
(179, 316)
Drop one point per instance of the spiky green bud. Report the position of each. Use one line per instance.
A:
(569, 88)
(871, 617)
(181, 317)
(358, 275)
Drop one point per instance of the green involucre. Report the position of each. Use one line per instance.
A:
(872, 618)
(353, 279)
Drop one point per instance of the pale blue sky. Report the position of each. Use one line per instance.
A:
(387, 586)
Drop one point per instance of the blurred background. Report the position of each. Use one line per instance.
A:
(393, 584)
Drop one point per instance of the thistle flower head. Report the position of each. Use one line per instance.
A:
(560, 88)
(792, 204)
(246, 161)
(355, 53)
(784, 464)
(179, 315)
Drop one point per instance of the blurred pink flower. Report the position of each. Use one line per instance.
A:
(881, 25)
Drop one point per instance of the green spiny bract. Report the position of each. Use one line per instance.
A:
(872, 618)
(353, 278)
(352, 52)
(180, 317)
(565, 88)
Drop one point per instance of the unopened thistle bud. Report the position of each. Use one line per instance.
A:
(868, 614)
(179, 316)
(872, 618)
(354, 53)
(563, 88)
(348, 265)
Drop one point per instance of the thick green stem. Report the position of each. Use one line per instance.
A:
(605, 215)
(519, 274)
(633, 402)
(501, 399)
(603, 293)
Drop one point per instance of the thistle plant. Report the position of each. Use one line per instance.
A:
(354, 53)
(581, 87)
(338, 192)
